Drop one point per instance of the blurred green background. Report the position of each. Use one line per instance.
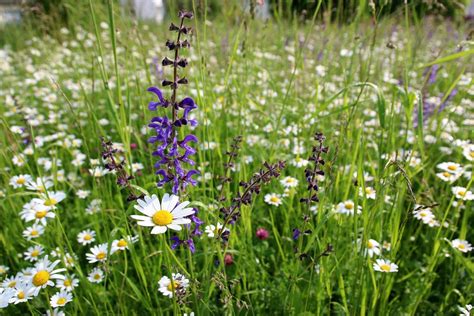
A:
(49, 16)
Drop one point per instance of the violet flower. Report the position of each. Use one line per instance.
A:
(171, 151)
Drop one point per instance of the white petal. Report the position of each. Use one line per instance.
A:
(183, 213)
(174, 227)
(149, 210)
(170, 203)
(181, 221)
(140, 217)
(158, 230)
(146, 224)
(181, 206)
(156, 204)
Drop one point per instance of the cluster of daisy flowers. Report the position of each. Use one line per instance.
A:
(374, 248)
(28, 283)
(289, 187)
(40, 210)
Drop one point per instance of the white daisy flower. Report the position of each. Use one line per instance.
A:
(431, 222)
(468, 152)
(299, 162)
(94, 206)
(86, 237)
(168, 287)
(23, 292)
(5, 296)
(33, 232)
(289, 182)
(423, 213)
(44, 273)
(68, 284)
(98, 172)
(462, 193)
(20, 180)
(37, 212)
(33, 253)
(136, 167)
(3, 269)
(466, 310)
(461, 245)
(69, 260)
(369, 192)
(96, 275)
(98, 253)
(82, 194)
(348, 207)
(448, 177)
(382, 265)
(40, 185)
(60, 299)
(12, 281)
(51, 199)
(19, 160)
(214, 230)
(373, 248)
(164, 215)
(122, 244)
(450, 167)
(273, 199)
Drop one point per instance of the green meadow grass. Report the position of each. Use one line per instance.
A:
(276, 84)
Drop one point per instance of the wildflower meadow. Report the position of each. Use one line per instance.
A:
(310, 162)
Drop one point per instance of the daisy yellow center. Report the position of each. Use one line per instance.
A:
(173, 285)
(462, 193)
(97, 276)
(122, 243)
(21, 295)
(12, 284)
(35, 253)
(385, 267)
(87, 237)
(61, 301)
(461, 246)
(471, 154)
(41, 214)
(34, 233)
(41, 278)
(67, 282)
(101, 255)
(20, 181)
(446, 174)
(368, 190)
(162, 218)
(423, 214)
(349, 205)
(452, 167)
(370, 245)
(50, 202)
(41, 188)
(274, 199)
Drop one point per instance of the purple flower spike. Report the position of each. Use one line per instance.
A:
(174, 154)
